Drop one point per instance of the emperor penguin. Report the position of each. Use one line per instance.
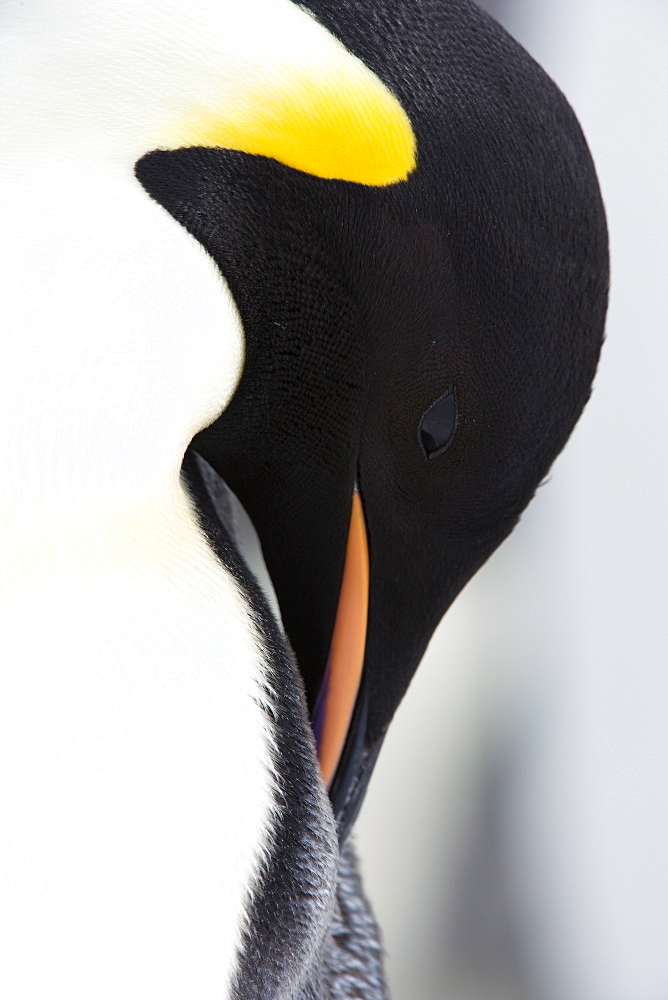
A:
(348, 261)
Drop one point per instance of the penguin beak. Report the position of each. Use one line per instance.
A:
(335, 705)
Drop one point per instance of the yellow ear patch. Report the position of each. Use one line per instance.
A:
(341, 124)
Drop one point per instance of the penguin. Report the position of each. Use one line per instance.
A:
(350, 263)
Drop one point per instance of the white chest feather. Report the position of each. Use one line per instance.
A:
(135, 785)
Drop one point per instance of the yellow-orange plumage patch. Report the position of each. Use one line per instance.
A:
(339, 124)
(348, 645)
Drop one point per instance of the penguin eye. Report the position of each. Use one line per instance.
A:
(437, 426)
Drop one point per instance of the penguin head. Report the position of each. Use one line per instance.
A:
(425, 346)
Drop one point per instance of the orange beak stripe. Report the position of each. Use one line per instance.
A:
(346, 658)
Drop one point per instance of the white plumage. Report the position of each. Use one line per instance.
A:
(136, 784)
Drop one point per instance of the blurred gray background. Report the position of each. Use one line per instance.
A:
(515, 837)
